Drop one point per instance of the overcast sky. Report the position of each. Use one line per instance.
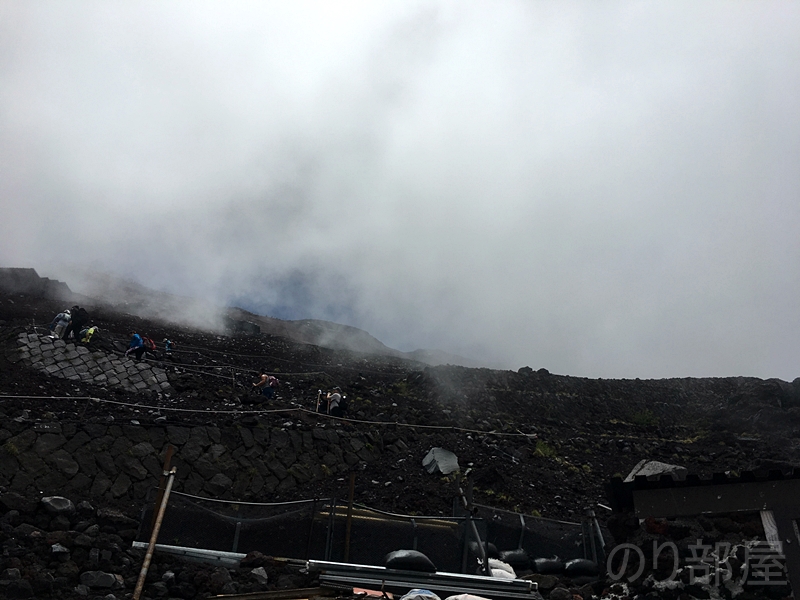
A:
(601, 189)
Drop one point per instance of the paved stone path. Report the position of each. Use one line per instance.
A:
(56, 358)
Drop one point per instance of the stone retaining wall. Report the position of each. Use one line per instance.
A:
(124, 461)
(77, 363)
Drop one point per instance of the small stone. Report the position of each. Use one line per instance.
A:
(98, 579)
(560, 593)
(83, 541)
(20, 588)
(260, 574)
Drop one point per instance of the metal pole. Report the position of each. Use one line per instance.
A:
(154, 536)
(601, 540)
(236, 536)
(311, 529)
(331, 523)
(474, 528)
(349, 516)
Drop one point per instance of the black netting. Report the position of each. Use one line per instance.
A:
(318, 529)
(314, 529)
(540, 538)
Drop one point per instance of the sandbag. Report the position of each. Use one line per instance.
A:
(466, 597)
(409, 560)
(501, 574)
(518, 559)
(492, 551)
(578, 567)
(502, 566)
(419, 594)
(548, 566)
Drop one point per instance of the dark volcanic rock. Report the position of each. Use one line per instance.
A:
(536, 442)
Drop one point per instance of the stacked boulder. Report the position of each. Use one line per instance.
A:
(124, 461)
(54, 548)
(77, 363)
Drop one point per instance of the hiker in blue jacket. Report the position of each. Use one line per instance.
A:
(136, 346)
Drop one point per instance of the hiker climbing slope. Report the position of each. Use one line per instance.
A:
(268, 384)
(79, 319)
(136, 346)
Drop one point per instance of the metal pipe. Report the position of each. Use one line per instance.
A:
(601, 540)
(154, 536)
(349, 516)
(236, 536)
(331, 522)
(217, 557)
(311, 529)
(474, 529)
(592, 541)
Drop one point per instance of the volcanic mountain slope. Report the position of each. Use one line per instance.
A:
(536, 442)
(136, 299)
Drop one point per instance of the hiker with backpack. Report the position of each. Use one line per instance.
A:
(79, 318)
(335, 400)
(268, 384)
(136, 346)
(60, 323)
(87, 333)
(168, 347)
(149, 347)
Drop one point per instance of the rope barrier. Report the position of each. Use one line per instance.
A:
(159, 408)
(280, 410)
(203, 498)
(329, 501)
(300, 409)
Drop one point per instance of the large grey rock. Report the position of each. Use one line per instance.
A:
(100, 485)
(121, 486)
(62, 461)
(141, 450)
(32, 464)
(219, 484)
(58, 505)
(18, 502)
(654, 468)
(132, 467)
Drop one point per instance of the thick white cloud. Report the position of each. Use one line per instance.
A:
(600, 189)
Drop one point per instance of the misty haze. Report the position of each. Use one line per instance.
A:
(603, 190)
